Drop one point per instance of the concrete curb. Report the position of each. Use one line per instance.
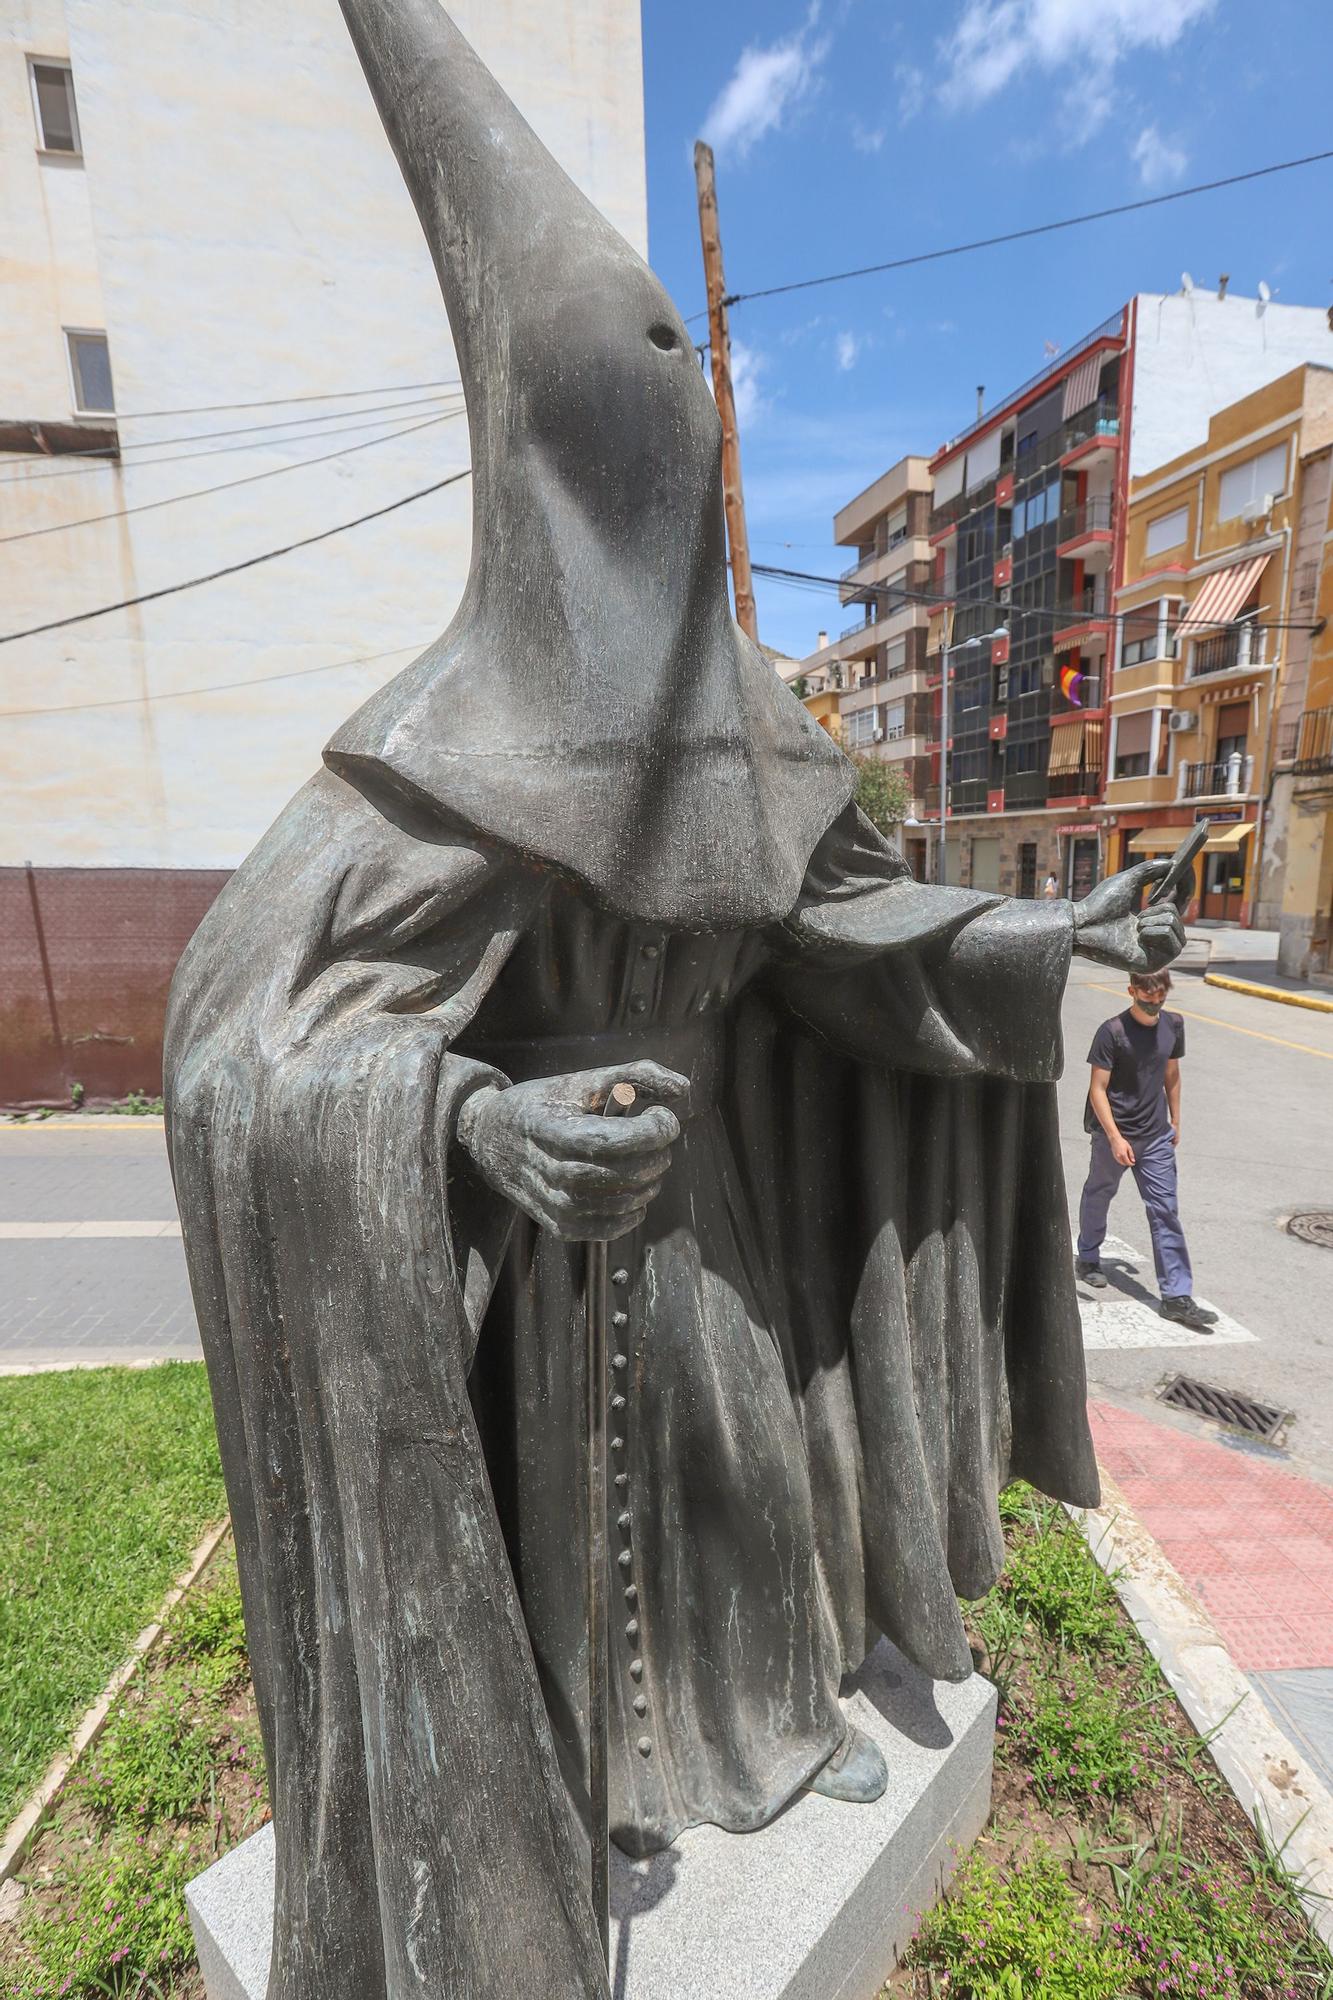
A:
(20, 1832)
(1290, 1807)
(82, 1121)
(1258, 992)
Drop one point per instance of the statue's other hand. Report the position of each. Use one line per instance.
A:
(547, 1148)
(1110, 927)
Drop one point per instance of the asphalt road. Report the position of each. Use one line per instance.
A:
(1258, 1146)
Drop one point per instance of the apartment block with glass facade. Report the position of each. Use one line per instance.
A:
(1029, 536)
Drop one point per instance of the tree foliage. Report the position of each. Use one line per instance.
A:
(882, 792)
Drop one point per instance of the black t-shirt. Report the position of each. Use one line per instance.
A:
(1137, 1058)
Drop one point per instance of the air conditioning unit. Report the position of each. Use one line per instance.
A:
(1259, 510)
(877, 736)
(1182, 720)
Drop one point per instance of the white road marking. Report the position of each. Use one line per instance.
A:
(31, 1231)
(1112, 1318)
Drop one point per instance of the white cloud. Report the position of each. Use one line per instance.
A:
(995, 39)
(747, 366)
(767, 82)
(866, 138)
(847, 347)
(911, 83)
(1158, 161)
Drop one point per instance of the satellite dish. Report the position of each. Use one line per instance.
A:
(1186, 283)
(1264, 293)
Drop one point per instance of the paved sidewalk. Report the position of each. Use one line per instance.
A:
(1253, 1539)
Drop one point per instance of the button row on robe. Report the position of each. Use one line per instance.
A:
(624, 1520)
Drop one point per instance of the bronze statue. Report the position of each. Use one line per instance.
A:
(589, 837)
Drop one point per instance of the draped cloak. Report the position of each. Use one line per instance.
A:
(846, 1322)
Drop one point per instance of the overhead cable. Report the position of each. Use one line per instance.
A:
(233, 569)
(229, 485)
(214, 687)
(1021, 235)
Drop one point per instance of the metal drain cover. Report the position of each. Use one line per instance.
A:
(1315, 1226)
(1224, 1406)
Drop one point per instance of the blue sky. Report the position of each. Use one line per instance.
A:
(848, 131)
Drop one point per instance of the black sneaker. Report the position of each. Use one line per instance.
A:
(1091, 1274)
(1185, 1312)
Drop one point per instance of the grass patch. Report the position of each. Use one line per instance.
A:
(108, 1478)
(1117, 1864)
(175, 1780)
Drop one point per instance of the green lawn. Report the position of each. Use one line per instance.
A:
(108, 1478)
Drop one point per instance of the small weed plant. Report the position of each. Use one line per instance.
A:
(1020, 1936)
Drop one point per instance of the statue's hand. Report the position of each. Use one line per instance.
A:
(545, 1146)
(1110, 927)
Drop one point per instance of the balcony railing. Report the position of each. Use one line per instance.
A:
(1314, 745)
(857, 625)
(1227, 779)
(1100, 419)
(1092, 518)
(1228, 652)
(1074, 784)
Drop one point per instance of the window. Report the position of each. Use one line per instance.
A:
(895, 720)
(895, 656)
(1246, 486)
(860, 727)
(897, 526)
(1133, 744)
(1019, 757)
(90, 372)
(1168, 531)
(53, 101)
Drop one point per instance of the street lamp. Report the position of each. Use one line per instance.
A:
(946, 730)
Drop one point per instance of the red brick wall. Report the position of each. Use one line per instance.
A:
(92, 1014)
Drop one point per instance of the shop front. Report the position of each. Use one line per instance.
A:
(1222, 876)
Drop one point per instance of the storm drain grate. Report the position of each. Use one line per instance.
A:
(1315, 1226)
(1224, 1406)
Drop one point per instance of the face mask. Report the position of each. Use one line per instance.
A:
(1147, 1006)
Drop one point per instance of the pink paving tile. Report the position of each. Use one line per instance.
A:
(1197, 1556)
(1257, 1558)
(1228, 1598)
(1313, 1635)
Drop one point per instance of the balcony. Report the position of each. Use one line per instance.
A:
(1314, 742)
(1229, 779)
(1080, 784)
(1230, 652)
(1092, 437)
(1086, 533)
(1090, 625)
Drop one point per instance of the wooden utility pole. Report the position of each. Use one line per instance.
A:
(733, 497)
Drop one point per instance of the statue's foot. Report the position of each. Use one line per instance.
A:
(856, 1772)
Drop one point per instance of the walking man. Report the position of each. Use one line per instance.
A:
(1133, 1114)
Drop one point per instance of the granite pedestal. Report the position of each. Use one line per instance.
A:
(817, 1906)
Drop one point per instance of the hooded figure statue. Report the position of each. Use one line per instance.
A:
(588, 836)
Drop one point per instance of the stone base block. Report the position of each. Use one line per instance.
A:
(817, 1906)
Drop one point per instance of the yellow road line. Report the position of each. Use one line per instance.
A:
(1255, 1034)
(1260, 992)
(146, 1123)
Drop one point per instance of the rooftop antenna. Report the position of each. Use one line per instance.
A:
(1265, 292)
(1222, 284)
(1186, 283)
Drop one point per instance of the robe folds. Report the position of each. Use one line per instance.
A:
(846, 1322)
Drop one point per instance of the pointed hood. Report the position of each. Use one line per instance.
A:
(592, 704)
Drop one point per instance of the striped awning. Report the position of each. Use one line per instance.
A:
(1166, 839)
(1222, 595)
(1081, 386)
(1066, 747)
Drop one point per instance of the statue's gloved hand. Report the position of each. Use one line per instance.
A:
(545, 1146)
(1110, 927)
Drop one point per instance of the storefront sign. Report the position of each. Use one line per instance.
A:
(1090, 827)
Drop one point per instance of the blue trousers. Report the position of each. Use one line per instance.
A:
(1154, 1172)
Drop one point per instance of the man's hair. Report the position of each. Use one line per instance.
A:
(1151, 983)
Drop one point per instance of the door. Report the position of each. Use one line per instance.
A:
(1082, 868)
(986, 863)
(1223, 887)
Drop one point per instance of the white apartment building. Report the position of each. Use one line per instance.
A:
(220, 333)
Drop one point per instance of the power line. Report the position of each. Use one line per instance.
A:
(233, 569)
(1064, 614)
(215, 687)
(276, 402)
(1021, 235)
(229, 485)
(341, 426)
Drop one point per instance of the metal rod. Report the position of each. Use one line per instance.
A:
(619, 1100)
(719, 334)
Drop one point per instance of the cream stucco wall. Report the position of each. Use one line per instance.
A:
(240, 229)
